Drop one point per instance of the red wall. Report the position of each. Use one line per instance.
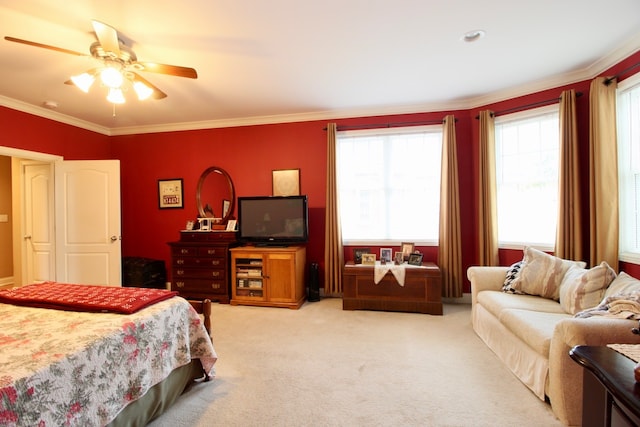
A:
(28, 132)
(250, 153)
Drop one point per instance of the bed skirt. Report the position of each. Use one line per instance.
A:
(159, 397)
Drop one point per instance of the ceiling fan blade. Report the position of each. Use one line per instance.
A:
(173, 70)
(44, 46)
(157, 93)
(107, 36)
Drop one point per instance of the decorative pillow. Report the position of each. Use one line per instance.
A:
(623, 284)
(512, 273)
(581, 289)
(542, 273)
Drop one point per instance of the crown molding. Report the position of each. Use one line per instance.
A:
(591, 71)
(52, 115)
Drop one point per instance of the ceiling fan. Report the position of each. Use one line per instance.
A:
(119, 66)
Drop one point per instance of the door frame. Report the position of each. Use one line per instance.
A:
(17, 202)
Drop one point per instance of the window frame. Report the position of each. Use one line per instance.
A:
(517, 116)
(436, 128)
(624, 254)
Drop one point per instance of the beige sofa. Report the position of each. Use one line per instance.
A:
(533, 335)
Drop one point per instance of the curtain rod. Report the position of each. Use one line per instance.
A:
(524, 107)
(388, 125)
(610, 79)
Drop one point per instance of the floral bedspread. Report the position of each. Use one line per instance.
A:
(64, 368)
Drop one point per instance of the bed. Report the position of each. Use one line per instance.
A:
(67, 360)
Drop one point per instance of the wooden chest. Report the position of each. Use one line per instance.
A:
(200, 265)
(421, 292)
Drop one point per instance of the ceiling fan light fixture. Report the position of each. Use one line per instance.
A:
(142, 90)
(115, 96)
(111, 77)
(83, 81)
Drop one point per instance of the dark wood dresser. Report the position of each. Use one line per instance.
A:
(421, 292)
(611, 395)
(200, 264)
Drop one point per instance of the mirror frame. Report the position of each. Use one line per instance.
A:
(203, 177)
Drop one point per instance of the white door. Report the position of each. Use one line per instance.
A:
(88, 241)
(39, 236)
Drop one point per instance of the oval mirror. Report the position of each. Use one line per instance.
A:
(215, 194)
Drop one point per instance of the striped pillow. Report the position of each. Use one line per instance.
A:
(581, 289)
(542, 273)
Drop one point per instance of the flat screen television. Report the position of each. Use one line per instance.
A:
(273, 220)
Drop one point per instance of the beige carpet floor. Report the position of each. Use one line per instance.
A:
(322, 366)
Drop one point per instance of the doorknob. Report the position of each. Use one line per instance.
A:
(27, 237)
(114, 238)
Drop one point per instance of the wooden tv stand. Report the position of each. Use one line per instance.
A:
(421, 293)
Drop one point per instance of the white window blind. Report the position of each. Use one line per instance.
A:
(628, 135)
(527, 155)
(389, 184)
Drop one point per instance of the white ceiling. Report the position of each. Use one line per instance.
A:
(287, 60)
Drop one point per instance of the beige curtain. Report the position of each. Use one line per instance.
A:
(449, 249)
(487, 198)
(333, 251)
(603, 173)
(569, 231)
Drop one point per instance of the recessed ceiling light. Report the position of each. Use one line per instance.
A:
(473, 36)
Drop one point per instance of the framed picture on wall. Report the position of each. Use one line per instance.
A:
(286, 182)
(170, 193)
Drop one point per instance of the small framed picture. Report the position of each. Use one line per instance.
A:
(368, 259)
(170, 193)
(231, 225)
(385, 254)
(189, 225)
(286, 182)
(415, 259)
(407, 249)
(357, 254)
(226, 204)
(398, 258)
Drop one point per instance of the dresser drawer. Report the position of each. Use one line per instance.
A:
(181, 261)
(199, 273)
(184, 286)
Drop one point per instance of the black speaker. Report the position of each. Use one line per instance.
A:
(313, 288)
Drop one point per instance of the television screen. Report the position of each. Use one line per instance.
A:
(273, 220)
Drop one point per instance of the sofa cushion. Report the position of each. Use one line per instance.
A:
(542, 273)
(581, 288)
(623, 284)
(495, 302)
(535, 328)
(512, 274)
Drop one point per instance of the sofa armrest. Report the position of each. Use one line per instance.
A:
(484, 278)
(565, 375)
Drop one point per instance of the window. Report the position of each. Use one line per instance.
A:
(628, 128)
(527, 156)
(389, 184)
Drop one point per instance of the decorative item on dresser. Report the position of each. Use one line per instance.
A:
(200, 264)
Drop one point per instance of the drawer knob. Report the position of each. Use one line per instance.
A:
(180, 284)
(215, 273)
(215, 286)
(184, 251)
(215, 262)
(180, 262)
(211, 251)
(180, 272)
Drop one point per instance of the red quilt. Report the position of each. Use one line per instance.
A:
(73, 297)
